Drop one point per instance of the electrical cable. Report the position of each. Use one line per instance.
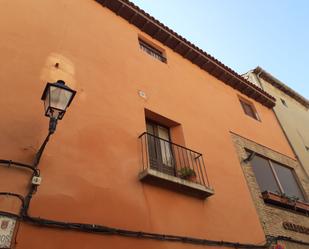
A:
(11, 215)
(289, 239)
(93, 228)
(20, 197)
(9, 163)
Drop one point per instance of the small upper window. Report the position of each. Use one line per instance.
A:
(249, 109)
(284, 103)
(151, 50)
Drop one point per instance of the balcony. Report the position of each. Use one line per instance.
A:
(169, 165)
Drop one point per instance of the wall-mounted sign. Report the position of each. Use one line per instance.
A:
(7, 226)
(296, 228)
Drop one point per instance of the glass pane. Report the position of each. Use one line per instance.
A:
(288, 181)
(46, 102)
(165, 146)
(248, 109)
(59, 98)
(264, 175)
(163, 133)
(151, 141)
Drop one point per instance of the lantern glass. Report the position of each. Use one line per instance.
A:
(57, 97)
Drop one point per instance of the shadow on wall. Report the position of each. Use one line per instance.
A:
(58, 67)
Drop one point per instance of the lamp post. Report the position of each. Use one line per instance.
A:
(57, 97)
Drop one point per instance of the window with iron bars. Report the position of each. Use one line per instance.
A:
(149, 49)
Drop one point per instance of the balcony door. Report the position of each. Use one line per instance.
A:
(159, 147)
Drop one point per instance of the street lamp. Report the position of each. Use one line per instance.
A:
(57, 97)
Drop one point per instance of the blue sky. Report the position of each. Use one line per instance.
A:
(243, 34)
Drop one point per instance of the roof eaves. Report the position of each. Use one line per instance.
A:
(281, 86)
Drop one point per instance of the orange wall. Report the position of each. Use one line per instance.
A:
(91, 163)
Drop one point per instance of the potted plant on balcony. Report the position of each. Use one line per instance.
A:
(290, 200)
(187, 174)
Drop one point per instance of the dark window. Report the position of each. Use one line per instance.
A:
(264, 175)
(249, 109)
(149, 49)
(284, 103)
(287, 180)
(274, 177)
(159, 146)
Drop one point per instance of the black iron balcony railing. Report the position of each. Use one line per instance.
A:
(172, 159)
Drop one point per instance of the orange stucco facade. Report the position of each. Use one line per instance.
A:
(91, 164)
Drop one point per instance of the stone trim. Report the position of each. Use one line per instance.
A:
(272, 217)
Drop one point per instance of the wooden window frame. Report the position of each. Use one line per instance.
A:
(159, 165)
(244, 102)
(156, 124)
(270, 164)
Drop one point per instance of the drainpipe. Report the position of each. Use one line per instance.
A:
(257, 77)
